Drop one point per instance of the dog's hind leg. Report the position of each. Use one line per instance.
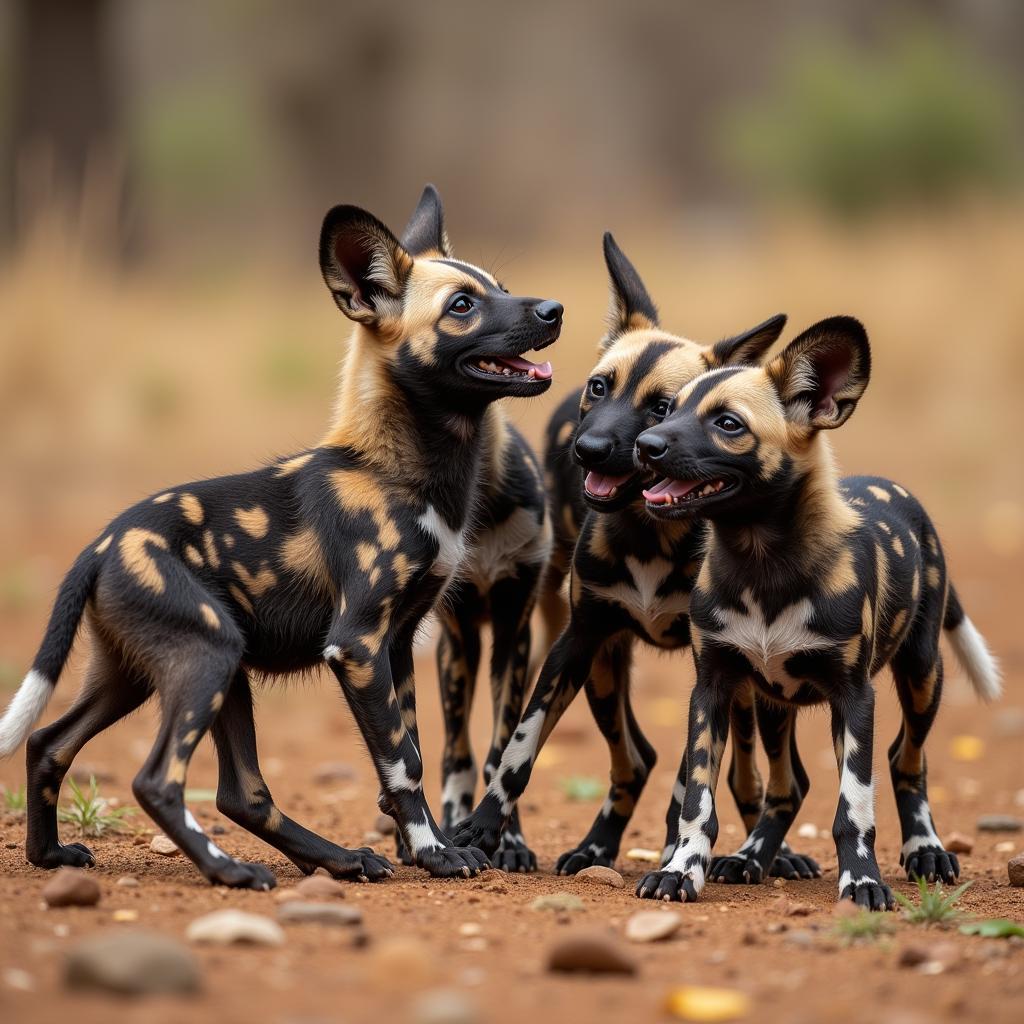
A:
(632, 759)
(244, 797)
(110, 692)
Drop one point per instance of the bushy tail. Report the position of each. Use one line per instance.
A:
(37, 687)
(971, 650)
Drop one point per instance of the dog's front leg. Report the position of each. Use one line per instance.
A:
(364, 671)
(853, 730)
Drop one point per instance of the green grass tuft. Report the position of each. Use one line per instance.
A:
(935, 906)
(14, 800)
(92, 814)
(863, 927)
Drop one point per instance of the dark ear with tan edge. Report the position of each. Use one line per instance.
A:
(425, 231)
(821, 375)
(748, 347)
(364, 265)
(631, 307)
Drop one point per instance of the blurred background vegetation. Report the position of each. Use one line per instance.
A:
(164, 168)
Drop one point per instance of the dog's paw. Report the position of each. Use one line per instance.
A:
(362, 865)
(670, 886)
(514, 855)
(870, 894)
(736, 869)
(933, 864)
(479, 831)
(74, 855)
(586, 855)
(453, 861)
(237, 874)
(794, 866)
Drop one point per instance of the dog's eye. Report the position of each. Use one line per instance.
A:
(661, 407)
(460, 305)
(596, 387)
(730, 424)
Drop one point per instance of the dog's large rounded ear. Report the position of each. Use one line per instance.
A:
(364, 265)
(821, 375)
(748, 347)
(631, 308)
(425, 231)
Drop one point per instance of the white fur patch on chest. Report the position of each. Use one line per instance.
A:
(768, 645)
(640, 596)
(498, 551)
(451, 544)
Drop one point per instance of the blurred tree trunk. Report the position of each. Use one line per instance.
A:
(64, 146)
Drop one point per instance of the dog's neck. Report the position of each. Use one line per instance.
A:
(801, 532)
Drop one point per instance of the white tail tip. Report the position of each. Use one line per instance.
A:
(23, 712)
(977, 660)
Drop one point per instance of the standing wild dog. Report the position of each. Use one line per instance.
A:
(810, 586)
(629, 582)
(498, 582)
(335, 553)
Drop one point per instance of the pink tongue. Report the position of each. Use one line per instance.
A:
(541, 371)
(601, 486)
(662, 493)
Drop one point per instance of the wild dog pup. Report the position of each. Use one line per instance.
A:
(629, 582)
(498, 583)
(335, 553)
(810, 586)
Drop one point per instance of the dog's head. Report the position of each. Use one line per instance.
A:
(641, 369)
(446, 329)
(741, 440)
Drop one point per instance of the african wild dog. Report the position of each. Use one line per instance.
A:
(629, 581)
(335, 553)
(809, 587)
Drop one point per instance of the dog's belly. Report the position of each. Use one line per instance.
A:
(498, 552)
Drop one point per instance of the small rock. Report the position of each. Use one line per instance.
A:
(653, 925)
(1007, 846)
(1015, 871)
(807, 831)
(385, 825)
(217, 830)
(10, 846)
(128, 882)
(125, 916)
(599, 875)
(164, 846)
(140, 840)
(497, 887)
(776, 927)
(444, 1006)
(697, 1003)
(784, 905)
(778, 883)
(592, 952)
(912, 956)
(646, 856)
(372, 838)
(471, 929)
(403, 957)
(957, 842)
(132, 962)
(224, 927)
(298, 912)
(999, 823)
(320, 887)
(557, 901)
(334, 771)
(71, 887)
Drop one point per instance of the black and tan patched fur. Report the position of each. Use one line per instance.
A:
(629, 582)
(811, 585)
(335, 553)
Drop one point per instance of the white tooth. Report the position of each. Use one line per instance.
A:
(613, 492)
(531, 373)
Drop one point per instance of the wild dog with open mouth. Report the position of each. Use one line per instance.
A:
(810, 586)
(335, 554)
(629, 582)
(498, 583)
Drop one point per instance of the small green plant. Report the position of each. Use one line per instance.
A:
(582, 788)
(994, 928)
(863, 927)
(935, 906)
(92, 814)
(14, 800)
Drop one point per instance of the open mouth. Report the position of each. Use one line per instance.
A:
(671, 494)
(604, 487)
(511, 368)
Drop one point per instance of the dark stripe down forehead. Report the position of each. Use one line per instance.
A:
(705, 384)
(646, 360)
(470, 271)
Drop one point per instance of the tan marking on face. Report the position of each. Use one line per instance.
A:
(210, 547)
(879, 492)
(210, 617)
(175, 772)
(241, 597)
(932, 577)
(565, 431)
(137, 560)
(191, 509)
(104, 544)
(358, 491)
(842, 576)
(302, 554)
(366, 555)
(217, 702)
(256, 583)
(902, 492)
(161, 498)
(293, 465)
(741, 445)
(254, 521)
(897, 546)
(193, 557)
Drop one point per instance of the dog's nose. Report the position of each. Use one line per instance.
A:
(549, 311)
(593, 450)
(651, 446)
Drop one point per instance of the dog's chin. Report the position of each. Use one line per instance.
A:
(614, 492)
(670, 498)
